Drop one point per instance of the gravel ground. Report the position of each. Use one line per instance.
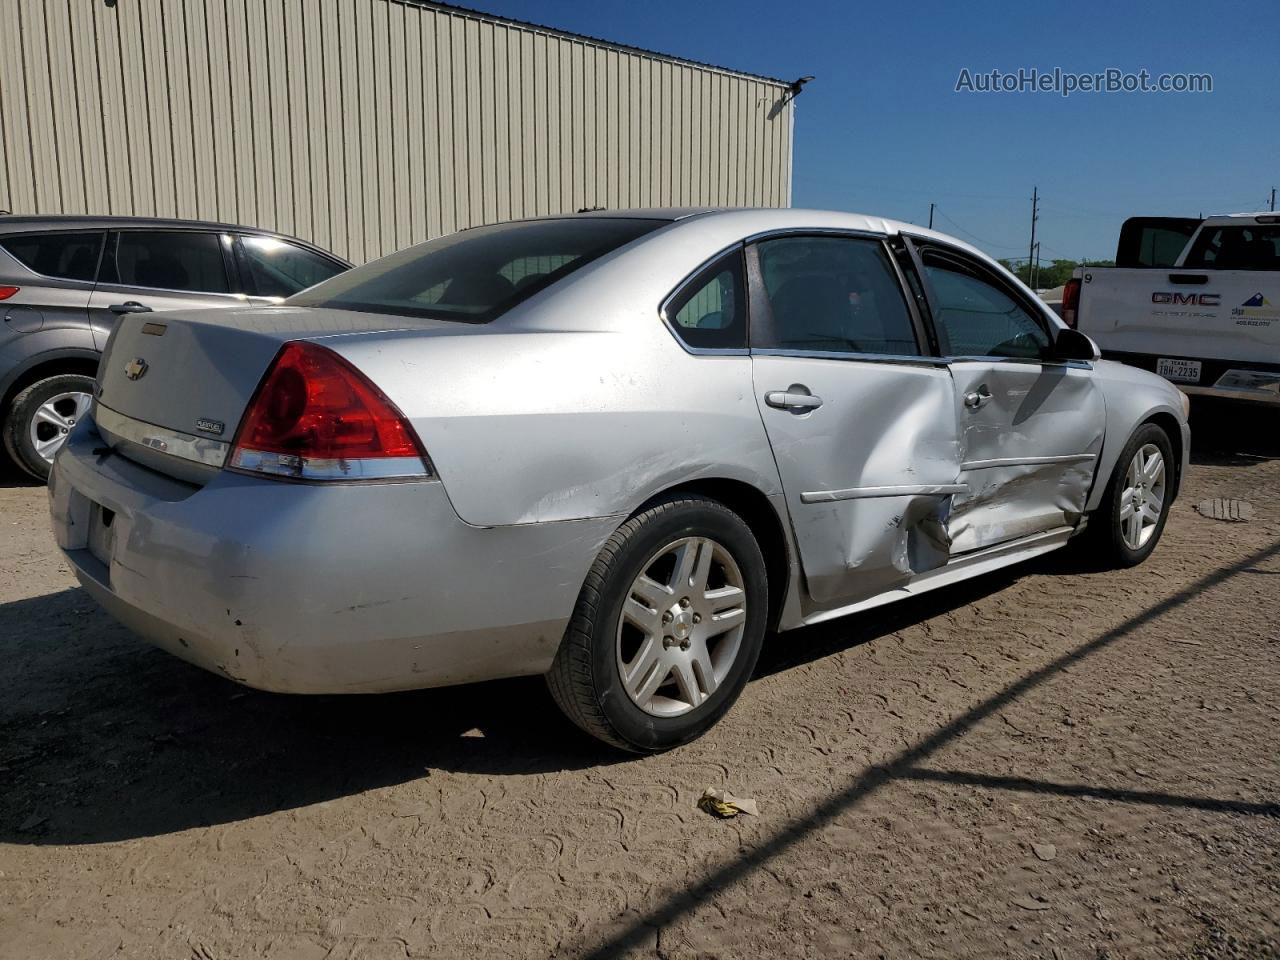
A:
(1052, 761)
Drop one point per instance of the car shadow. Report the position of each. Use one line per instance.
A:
(104, 738)
(11, 477)
(1226, 433)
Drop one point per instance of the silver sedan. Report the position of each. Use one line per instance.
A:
(614, 449)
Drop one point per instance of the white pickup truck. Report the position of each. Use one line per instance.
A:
(1196, 301)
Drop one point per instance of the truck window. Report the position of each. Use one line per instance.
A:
(1236, 248)
(1153, 241)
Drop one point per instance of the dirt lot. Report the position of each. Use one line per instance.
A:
(1048, 762)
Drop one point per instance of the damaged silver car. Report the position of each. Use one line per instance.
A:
(615, 449)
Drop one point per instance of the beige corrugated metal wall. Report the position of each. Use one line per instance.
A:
(363, 125)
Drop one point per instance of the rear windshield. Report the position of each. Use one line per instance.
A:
(475, 275)
(1236, 248)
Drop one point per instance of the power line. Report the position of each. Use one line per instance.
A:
(974, 236)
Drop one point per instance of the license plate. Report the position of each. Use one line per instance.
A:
(1179, 371)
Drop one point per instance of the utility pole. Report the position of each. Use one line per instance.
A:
(1035, 215)
(1273, 206)
(1273, 202)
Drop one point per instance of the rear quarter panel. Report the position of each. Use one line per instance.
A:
(580, 403)
(533, 427)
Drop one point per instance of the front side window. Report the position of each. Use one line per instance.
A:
(476, 275)
(68, 256)
(710, 311)
(1236, 248)
(170, 260)
(277, 268)
(974, 318)
(832, 294)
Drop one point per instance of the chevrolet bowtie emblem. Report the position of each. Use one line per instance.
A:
(135, 368)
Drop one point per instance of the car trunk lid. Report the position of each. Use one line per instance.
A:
(190, 377)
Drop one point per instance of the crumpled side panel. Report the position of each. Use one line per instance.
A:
(1017, 502)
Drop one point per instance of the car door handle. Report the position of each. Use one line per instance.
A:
(978, 398)
(129, 306)
(791, 400)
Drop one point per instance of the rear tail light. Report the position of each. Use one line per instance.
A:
(316, 417)
(1071, 302)
(7, 292)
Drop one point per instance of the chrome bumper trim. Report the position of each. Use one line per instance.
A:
(1252, 394)
(116, 427)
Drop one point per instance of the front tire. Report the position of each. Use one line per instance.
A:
(667, 628)
(40, 418)
(1136, 503)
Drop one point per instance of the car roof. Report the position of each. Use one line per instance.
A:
(1261, 216)
(81, 220)
(771, 218)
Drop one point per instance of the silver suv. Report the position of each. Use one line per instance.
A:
(65, 280)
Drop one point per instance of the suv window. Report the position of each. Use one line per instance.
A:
(710, 311)
(170, 260)
(975, 318)
(476, 275)
(1236, 248)
(68, 256)
(832, 294)
(271, 267)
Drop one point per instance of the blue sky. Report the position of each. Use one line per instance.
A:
(882, 130)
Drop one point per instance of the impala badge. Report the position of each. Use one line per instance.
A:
(135, 369)
(210, 426)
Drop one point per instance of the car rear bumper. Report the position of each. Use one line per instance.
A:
(1228, 379)
(317, 588)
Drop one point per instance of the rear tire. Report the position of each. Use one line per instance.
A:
(1130, 520)
(41, 416)
(652, 657)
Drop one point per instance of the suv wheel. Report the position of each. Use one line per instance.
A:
(40, 418)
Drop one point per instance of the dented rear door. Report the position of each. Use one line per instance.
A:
(861, 422)
(868, 475)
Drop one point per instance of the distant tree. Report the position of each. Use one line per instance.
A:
(1051, 273)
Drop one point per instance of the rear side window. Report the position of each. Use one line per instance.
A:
(832, 294)
(67, 256)
(1236, 248)
(277, 268)
(476, 275)
(709, 312)
(974, 318)
(170, 260)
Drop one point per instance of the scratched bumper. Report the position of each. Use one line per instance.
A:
(309, 588)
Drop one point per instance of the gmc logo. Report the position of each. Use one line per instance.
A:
(1188, 299)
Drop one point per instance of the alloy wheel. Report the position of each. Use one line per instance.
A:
(681, 626)
(54, 419)
(1142, 498)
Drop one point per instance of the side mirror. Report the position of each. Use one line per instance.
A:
(1074, 345)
